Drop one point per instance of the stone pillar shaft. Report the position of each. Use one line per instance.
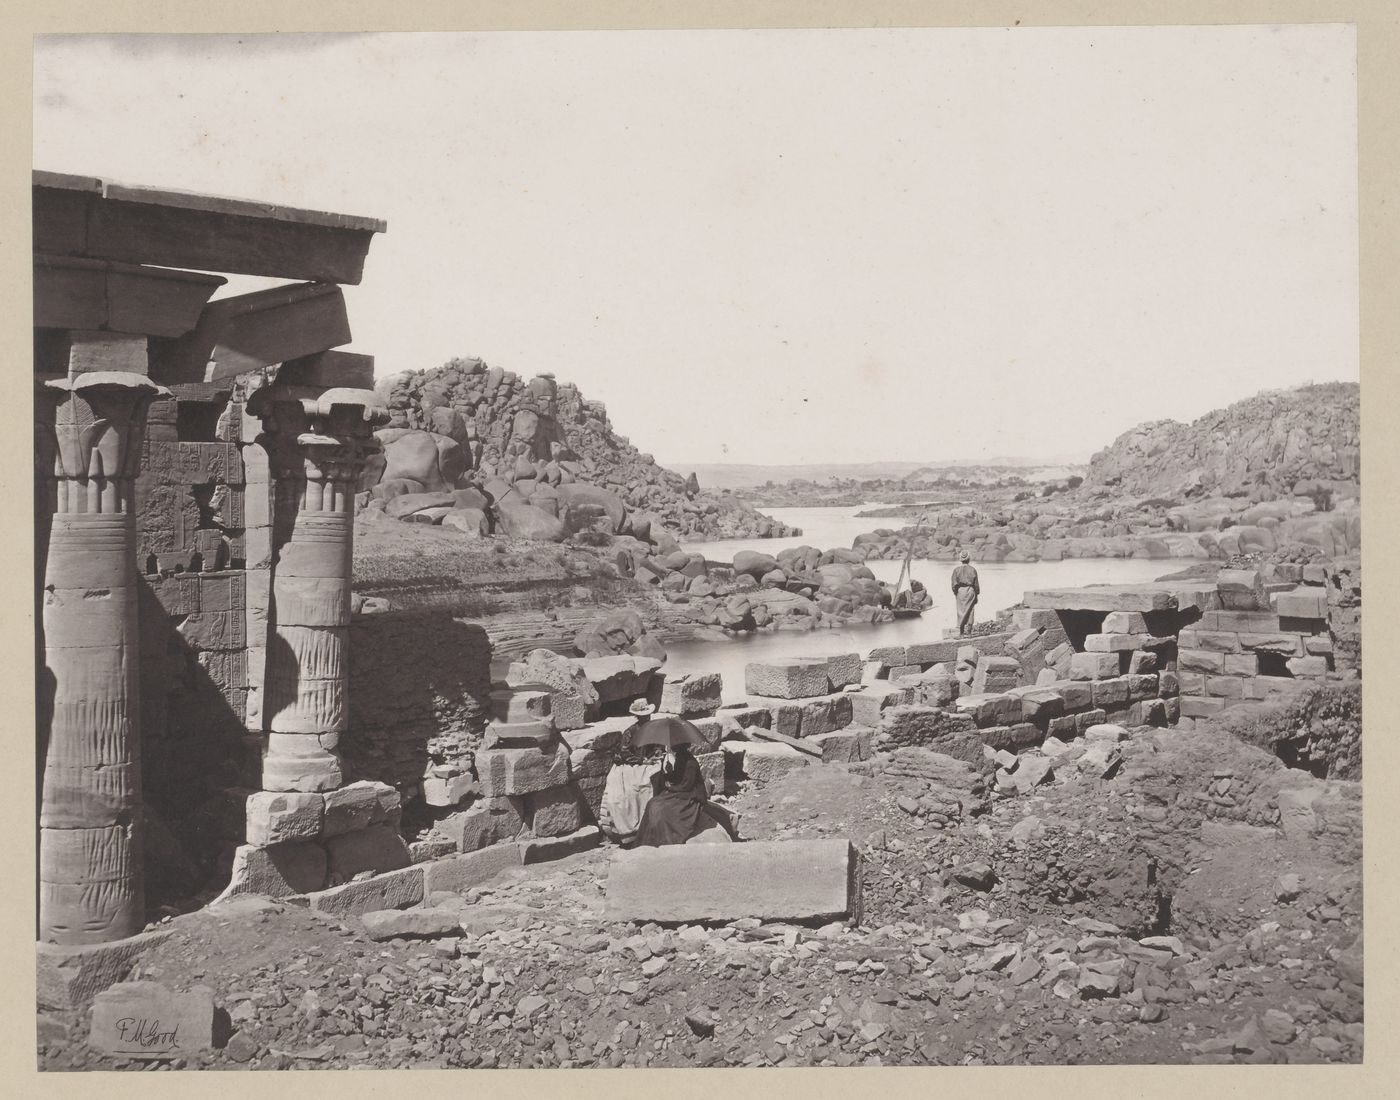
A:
(317, 471)
(90, 887)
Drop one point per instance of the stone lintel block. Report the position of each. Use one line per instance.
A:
(768, 880)
(1253, 622)
(1034, 618)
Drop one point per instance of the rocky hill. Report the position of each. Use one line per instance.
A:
(1272, 444)
(490, 423)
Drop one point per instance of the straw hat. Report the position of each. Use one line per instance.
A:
(964, 556)
(641, 708)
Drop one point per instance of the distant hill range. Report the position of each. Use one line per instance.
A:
(744, 476)
(1279, 442)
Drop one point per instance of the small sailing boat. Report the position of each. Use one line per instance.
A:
(906, 608)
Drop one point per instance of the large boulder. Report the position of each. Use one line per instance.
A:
(579, 495)
(436, 462)
(615, 633)
(523, 520)
(751, 563)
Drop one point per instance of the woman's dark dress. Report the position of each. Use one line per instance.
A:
(676, 810)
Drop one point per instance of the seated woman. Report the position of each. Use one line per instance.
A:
(679, 808)
(626, 794)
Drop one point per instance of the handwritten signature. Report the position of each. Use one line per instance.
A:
(146, 1033)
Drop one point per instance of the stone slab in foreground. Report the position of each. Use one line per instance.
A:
(767, 880)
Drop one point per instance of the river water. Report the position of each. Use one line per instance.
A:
(1003, 584)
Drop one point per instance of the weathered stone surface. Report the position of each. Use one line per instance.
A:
(845, 746)
(275, 817)
(388, 924)
(1093, 666)
(921, 725)
(486, 821)
(521, 771)
(554, 812)
(766, 880)
(619, 678)
(70, 976)
(990, 710)
(1123, 597)
(844, 669)
(824, 715)
(689, 695)
(378, 848)
(1114, 643)
(868, 703)
(277, 872)
(445, 791)
(543, 849)
(394, 890)
(1308, 666)
(995, 674)
(765, 761)
(1200, 660)
(1111, 693)
(144, 1019)
(457, 873)
(358, 805)
(792, 678)
(1124, 622)
(602, 736)
(535, 733)
(1040, 704)
(573, 699)
(937, 687)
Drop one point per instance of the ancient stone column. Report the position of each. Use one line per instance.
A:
(317, 448)
(88, 445)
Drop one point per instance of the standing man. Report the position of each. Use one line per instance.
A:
(965, 591)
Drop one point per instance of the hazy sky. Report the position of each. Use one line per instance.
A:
(792, 246)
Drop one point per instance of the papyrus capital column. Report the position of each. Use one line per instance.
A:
(88, 450)
(317, 448)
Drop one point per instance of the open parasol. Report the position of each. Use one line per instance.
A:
(667, 731)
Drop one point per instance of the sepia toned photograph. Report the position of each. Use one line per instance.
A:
(697, 549)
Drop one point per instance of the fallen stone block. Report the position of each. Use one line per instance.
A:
(394, 890)
(1100, 760)
(1141, 662)
(995, 674)
(1111, 693)
(844, 669)
(1093, 666)
(452, 790)
(766, 880)
(520, 704)
(904, 672)
(845, 746)
(621, 678)
(1063, 727)
(1308, 667)
(825, 715)
(378, 848)
(1124, 622)
(1300, 604)
(765, 761)
(1114, 643)
(554, 812)
(358, 806)
(1141, 686)
(521, 771)
(573, 699)
(277, 872)
(543, 849)
(937, 687)
(144, 1019)
(275, 817)
(1013, 738)
(534, 734)
(1105, 732)
(868, 703)
(388, 924)
(795, 678)
(689, 695)
(486, 821)
(990, 710)
(457, 873)
(1040, 704)
(1032, 771)
(603, 736)
(1084, 719)
(888, 657)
